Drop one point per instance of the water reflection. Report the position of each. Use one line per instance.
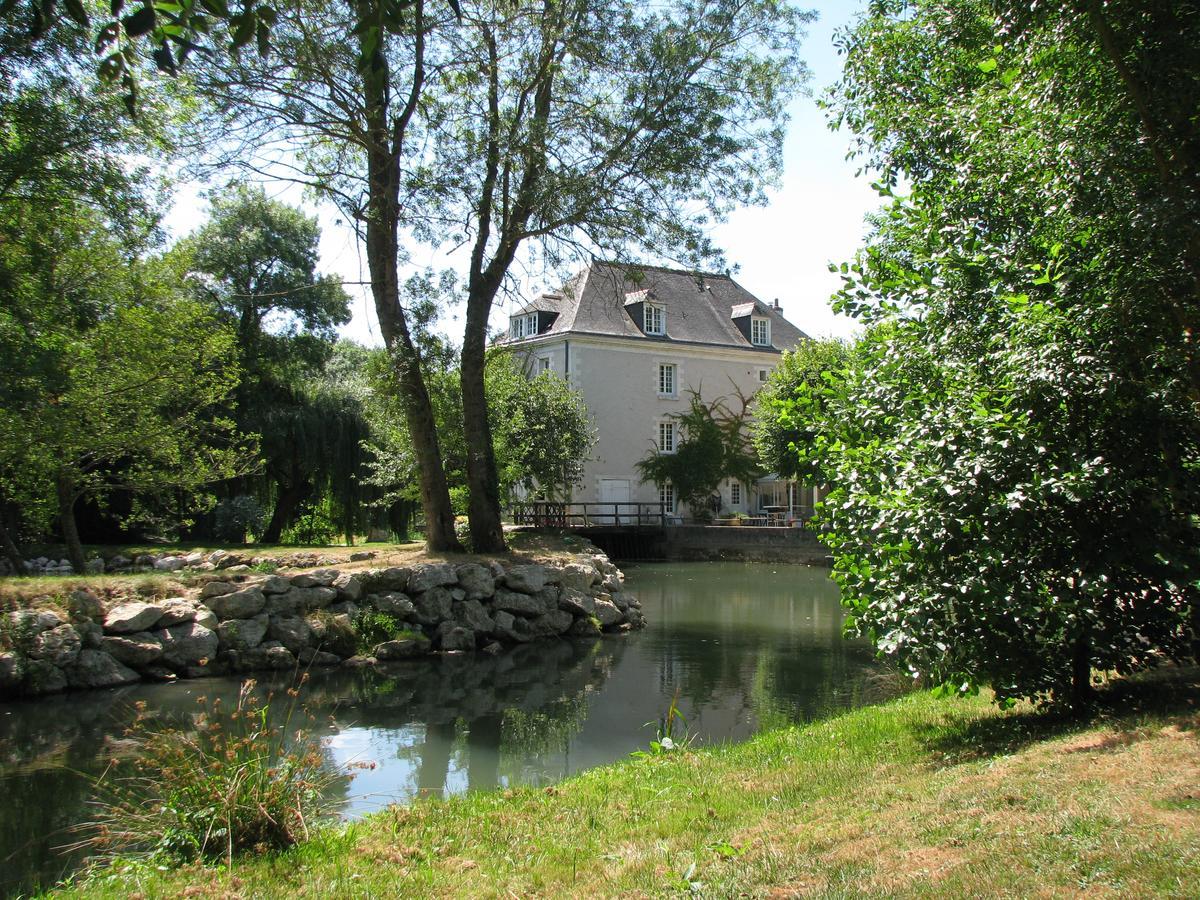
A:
(742, 645)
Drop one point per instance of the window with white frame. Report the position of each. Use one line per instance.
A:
(666, 437)
(543, 364)
(524, 326)
(735, 494)
(666, 379)
(760, 332)
(666, 496)
(654, 319)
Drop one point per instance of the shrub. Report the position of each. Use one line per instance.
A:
(375, 627)
(235, 516)
(233, 783)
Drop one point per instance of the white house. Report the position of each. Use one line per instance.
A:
(635, 340)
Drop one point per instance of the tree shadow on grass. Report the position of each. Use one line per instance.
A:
(1126, 706)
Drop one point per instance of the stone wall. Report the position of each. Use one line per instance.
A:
(697, 543)
(243, 623)
(703, 543)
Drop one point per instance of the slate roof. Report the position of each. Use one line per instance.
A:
(700, 306)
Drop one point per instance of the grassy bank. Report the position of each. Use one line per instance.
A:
(915, 797)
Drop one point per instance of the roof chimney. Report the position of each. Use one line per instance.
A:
(777, 306)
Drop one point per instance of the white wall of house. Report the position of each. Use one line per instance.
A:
(619, 379)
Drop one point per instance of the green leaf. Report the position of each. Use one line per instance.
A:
(988, 65)
(140, 22)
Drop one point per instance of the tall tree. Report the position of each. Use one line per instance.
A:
(781, 438)
(256, 258)
(256, 262)
(338, 99)
(598, 127)
(1014, 455)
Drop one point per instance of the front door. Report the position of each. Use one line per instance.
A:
(613, 490)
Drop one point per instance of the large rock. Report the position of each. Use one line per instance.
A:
(391, 579)
(275, 584)
(216, 589)
(451, 636)
(319, 578)
(292, 633)
(59, 646)
(243, 604)
(433, 606)
(613, 583)
(431, 575)
(528, 579)
(576, 602)
(90, 634)
(44, 677)
(268, 656)
(518, 603)
(333, 633)
(584, 628)
(512, 629)
(96, 669)
(206, 617)
(170, 563)
(130, 617)
(471, 614)
(289, 603)
(187, 644)
(555, 622)
(349, 588)
(24, 624)
(577, 576)
(316, 597)
(242, 634)
(83, 604)
(393, 603)
(402, 649)
(310, 657)
(176, 611)
(137, 650)
(476, 581)
(607, 612)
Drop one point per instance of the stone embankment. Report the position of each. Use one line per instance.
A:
(242, 622)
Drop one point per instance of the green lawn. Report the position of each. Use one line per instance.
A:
(918, 797)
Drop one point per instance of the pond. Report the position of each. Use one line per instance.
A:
(742, 646)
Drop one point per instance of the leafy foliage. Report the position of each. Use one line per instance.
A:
(541, 428)
(1014, 451)
(780, 437)
(713, 444)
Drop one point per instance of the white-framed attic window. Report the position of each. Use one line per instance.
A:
(522, 326)
(654, 319)
(760, 332)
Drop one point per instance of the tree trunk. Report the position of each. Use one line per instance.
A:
(385, 142)
(290, 497)
(487, 532)
(66, 521)
(1082, 694)
(11, 551)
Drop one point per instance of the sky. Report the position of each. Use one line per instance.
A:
(781, 250)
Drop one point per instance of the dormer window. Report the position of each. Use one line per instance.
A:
(760, 332)
(523, 326)
(654, 319)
